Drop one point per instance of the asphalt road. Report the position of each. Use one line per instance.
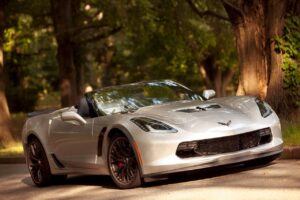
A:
(278, 180)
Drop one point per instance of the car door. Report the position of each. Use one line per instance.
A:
(74, 144)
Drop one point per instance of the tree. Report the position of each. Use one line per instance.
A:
(74, 28)
(256, 23)
(5, 131)
(29, 49)
(218, 64)
(289, 46)
(62, 12)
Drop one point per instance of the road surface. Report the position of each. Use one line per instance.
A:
(276, 181)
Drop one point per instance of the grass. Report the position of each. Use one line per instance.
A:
(47, 100)
(291, 133)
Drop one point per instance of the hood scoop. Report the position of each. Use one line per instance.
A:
(199, 108)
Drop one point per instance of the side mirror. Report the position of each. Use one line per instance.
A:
(207, 94)
(72, 117)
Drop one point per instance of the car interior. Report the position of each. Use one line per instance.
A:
(85, 109)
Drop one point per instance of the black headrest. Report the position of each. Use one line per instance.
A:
(83, 108)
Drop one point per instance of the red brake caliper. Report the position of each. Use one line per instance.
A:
(120, 164)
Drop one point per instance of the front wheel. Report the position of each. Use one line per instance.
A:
(122, 163)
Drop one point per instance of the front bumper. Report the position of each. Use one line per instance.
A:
(158, 152)
(212, 161)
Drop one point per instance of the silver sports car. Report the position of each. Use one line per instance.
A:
(142, 130)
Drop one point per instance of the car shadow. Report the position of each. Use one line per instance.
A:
(88, 180)
(207, 173)
(106, 181)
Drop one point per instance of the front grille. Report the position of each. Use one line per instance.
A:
(224, 144)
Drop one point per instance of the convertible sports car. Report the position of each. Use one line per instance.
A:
(143, 130)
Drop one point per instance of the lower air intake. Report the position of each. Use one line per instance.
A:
(224, 144)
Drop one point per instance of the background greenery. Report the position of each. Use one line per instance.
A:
(151, 45)
(123, 41)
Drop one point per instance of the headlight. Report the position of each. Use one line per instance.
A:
(264, 108)
(151, 125)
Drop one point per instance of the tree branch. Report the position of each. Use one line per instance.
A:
(78, 30)
(205, 13)
(235, 8)
(99, 37)
(228, 76)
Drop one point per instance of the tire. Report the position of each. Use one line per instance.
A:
(122, 163)
(38, 165)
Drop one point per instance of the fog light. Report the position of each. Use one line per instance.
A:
(265, 131)
(187, 146)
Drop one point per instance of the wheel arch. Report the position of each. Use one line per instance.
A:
(122, 131)
(31, 135)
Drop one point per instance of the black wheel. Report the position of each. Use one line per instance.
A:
(38, 164)
(122, 163)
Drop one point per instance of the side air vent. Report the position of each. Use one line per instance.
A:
(100, 141)
(57, 162)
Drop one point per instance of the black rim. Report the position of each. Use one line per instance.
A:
(35, 154)
(122, 161)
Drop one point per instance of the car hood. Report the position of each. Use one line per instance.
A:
(233, 112)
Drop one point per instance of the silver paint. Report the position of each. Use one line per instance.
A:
(74, 140)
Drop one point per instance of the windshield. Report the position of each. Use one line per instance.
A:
(127, 98)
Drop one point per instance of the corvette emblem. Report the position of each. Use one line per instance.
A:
(225, 124)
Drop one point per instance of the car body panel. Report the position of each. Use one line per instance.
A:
(76, 146)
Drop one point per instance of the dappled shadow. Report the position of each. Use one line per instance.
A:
(181, 177)
(201, 174)
(277, 176)
(28, 181)
(249, 171)
(106, 181)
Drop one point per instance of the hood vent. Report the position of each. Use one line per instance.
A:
(199, 108)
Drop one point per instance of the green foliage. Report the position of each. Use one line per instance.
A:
(289, 45)
(155, 43)
(158, 40)
(29, 52)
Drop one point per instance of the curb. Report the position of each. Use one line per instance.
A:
(291, 153)
(13, 160)
(288, 153)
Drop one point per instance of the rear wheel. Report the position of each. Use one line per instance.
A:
(38, 165)
(122, 163)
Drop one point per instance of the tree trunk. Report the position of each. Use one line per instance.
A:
(255, 24)
(215, 77)
(227, 78)
(218, 82)
(5, 130)
(276, 95)
(106, 62)
(249, 28)
(62, 19)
